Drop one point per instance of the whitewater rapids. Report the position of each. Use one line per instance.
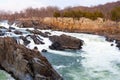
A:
(97, 60)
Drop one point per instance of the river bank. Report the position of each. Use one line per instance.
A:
(109, 29)
(99, 62)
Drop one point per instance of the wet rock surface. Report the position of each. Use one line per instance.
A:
(118, 44)
(17, 32)
(115, 38)
(36, 39)
(25, 40)
(23, 63)
(38, 32)
(63, 42)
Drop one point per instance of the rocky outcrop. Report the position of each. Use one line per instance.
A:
(38, 32)
(23, 63)
(115, 38)
(35, 23)
(63, 42)
(36, 39)
(25, 40)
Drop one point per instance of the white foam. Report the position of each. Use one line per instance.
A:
(59, 67)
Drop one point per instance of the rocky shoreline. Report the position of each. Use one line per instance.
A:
(23, 63)
(35, 66)
(108, 29)
(29, 64)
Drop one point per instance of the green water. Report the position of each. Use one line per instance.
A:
(5, 76)
(70, 68)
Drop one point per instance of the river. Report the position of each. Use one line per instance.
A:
(97, 60)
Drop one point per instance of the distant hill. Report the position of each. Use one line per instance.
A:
(105, 9)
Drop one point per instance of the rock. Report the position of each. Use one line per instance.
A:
(44, 50)
(38, 32)
(65, 42)
(2, 27)
(112, 44)
(1, 33)
(26, 42)
(36, 39)
(37, 24)
(18, 23)
(118, 43)
(56, 46)
(11, 28)
(47, 33)
(110, 39)
(35, 48)
(18, 32)
(23, 63)
(27, 23)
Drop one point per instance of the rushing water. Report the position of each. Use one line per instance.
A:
(97, 60)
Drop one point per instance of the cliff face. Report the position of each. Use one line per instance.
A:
(23, 63)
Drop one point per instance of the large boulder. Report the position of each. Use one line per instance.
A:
(63, 42)
(23, 63)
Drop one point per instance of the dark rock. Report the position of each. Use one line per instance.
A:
(38, 32)
(23, 63)
(65, 42)
(35, 48)
(56, 46)
(110, 39)
(26, 42)
(112, 44)
(47, 33)
(118, 43)
(17, 32)
(1, 33)
(11, 28)
(36, 39)
(2, 27)
(44, 50)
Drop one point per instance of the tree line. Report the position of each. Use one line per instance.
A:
(56, 12)
(29, 12)
(78, 14)
(114, 14)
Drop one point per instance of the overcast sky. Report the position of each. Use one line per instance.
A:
(16, 5)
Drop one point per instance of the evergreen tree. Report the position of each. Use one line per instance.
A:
(115, 14)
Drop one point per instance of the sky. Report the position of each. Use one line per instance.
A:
(17, 5)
